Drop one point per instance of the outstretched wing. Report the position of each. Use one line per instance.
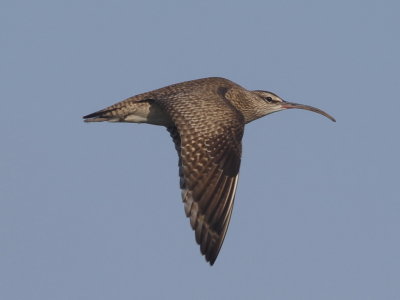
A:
(207, 136)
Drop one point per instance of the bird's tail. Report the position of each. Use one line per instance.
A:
(101, 116)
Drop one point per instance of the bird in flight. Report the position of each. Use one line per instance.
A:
(206, 119)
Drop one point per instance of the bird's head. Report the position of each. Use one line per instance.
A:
(273, 103)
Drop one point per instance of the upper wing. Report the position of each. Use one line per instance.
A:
(207, 135)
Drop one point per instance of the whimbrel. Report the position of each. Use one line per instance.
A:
(205, 118)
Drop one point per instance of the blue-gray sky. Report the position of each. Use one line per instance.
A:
(93, 211)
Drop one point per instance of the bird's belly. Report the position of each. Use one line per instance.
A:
(136, 118)
(151, 114)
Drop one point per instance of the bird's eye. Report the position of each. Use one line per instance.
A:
(269, 99)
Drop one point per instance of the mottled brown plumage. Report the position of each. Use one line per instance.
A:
(206, 119)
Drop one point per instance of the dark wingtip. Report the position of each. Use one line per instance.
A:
(211, 256)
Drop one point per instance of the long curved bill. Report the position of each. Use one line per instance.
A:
(289, 105)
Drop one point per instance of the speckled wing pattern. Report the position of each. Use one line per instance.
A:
(208, 142)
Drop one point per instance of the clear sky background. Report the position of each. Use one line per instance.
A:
(93, 211)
